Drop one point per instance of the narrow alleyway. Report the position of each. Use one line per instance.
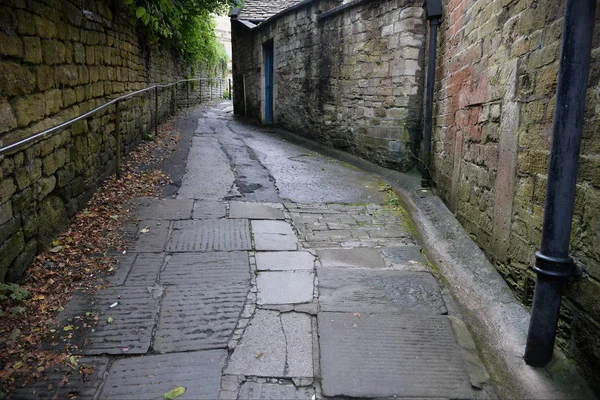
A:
(273, 273)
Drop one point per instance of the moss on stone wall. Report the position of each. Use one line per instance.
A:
(60, 59)
(497, 72)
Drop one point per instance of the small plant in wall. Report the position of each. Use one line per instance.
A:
(11, 295)
(187, 26)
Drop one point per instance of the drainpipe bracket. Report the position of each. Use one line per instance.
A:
(562, 268)
(434, 20)
(433, 9)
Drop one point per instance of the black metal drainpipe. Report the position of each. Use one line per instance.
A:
(433, 11)
(553, 265)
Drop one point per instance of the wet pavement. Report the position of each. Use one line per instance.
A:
(273, 273)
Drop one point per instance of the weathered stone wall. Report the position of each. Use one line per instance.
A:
(59, 59)
(495, 99)
(350, 76)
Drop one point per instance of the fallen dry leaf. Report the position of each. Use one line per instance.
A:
(78, 260)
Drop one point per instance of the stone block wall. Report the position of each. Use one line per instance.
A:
(60, 59)
(349, 75)
(495, 99)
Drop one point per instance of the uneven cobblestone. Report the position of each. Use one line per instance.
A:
(339, 225)
(232, 304)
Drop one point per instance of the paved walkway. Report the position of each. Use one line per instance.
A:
(275, 273)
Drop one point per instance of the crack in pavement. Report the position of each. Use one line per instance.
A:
(286, 365)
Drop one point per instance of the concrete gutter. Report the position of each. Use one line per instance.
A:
(496, 319)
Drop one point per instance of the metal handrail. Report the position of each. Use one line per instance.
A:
(59, 127)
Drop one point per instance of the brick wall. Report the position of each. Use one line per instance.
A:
(349, 76)
(59, 59)
(496, 82)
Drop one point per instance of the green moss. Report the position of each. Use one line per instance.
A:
(350, 166)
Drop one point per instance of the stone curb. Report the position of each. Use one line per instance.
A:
(497, 320)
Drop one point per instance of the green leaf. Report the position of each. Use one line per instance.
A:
(140, 12)
(110, 320)
(174, 393)
(68, 328)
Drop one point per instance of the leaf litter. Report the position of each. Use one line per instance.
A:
(77, 261)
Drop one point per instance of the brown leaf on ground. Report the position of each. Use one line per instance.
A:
(77, 260)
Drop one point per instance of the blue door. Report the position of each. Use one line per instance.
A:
(268, 52)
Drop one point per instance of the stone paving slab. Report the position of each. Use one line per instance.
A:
(284, 260)
(405, 258)
(145, 269)
(274, 346)
(274, 391)
(369, 290)
(289, 287)
(132, 319)
(153, 239)
(53, 385)
(170, 209)
(209, 210)
(255, 211)
(150, 377)
(375, 242)
(390, 231)
(279, 227)
(299, 340)
(197, 318)
(123, 264)
(385, 355)
(335, 235)
(275, 241)
(208, 172)
(220, 268)
(357, 257)
(210, 235)
(348, 226)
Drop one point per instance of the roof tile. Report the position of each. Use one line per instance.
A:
(260, 10)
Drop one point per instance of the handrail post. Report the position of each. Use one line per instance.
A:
(118, 138)
(187, 92)
(155, 110)
(173, 99)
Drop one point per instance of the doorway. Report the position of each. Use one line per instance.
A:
(268, 56)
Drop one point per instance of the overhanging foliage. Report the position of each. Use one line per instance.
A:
(185, 25)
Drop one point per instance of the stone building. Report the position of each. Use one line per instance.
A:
(223, 34)
(350, 74)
